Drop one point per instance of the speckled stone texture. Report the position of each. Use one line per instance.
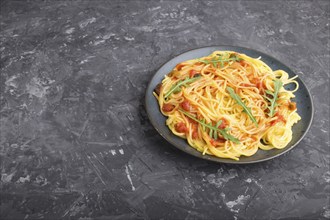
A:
(76, 142)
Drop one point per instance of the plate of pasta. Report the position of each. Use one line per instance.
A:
(229, 104)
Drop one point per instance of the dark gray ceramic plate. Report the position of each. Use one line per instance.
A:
(303, 100)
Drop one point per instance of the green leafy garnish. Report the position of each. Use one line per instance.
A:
(213, 130)
(221, 59)
(277, 86)
(177, 87)
(239, 101)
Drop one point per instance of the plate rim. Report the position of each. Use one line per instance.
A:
(211, 157)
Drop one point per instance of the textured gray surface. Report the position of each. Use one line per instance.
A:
(75, 138)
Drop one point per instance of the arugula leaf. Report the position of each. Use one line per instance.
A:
(213, 132)
(214, 61)
(277, 86)
(239, 101)
(176, 88)
(203, 126)
(217, 125)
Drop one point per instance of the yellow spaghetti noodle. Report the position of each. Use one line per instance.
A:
(228, 104)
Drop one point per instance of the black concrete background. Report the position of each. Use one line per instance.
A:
(75, 139)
